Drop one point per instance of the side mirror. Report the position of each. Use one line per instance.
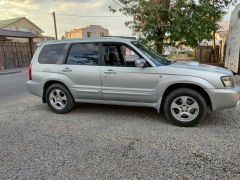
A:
(140, 62)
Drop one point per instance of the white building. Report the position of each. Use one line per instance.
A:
(90, 31)
(233, 44)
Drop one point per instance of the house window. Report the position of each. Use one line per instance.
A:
(89, 34)
(101, 34)
(238, 14)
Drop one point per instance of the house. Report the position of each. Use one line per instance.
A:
(20, 24)
(232, 60)
(18, 38)
(90, 31)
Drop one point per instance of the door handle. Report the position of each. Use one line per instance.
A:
(110, 72)
(67, 70)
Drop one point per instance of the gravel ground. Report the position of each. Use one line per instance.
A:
(114, 142)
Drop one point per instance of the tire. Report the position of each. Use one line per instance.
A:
(185, 107)
(59, 99)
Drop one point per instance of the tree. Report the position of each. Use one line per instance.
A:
(175, 22)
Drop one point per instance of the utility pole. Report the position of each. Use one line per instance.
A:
(55, 26)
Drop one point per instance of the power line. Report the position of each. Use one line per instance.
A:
(117, 3)
(100, 16)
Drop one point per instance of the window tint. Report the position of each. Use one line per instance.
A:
(83, 54)
(50, 54)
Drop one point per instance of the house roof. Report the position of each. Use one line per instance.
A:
(6, 22)
(20, 34)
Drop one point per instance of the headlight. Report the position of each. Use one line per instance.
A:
(228, 81)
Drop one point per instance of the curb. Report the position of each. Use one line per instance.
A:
(10, 72)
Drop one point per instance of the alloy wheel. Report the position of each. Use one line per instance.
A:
(58, 99)
(185, 108)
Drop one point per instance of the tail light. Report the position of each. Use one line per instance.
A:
(30, 72)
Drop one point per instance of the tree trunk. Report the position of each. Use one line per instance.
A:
(159, 48)
(159, 42)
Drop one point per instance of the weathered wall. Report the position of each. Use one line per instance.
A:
(233, 45)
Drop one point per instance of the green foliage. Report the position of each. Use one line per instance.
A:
(175, 22)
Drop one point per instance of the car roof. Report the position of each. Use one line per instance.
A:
(101, 39)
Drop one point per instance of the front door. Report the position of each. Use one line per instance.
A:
(83, 69)
(122, 80)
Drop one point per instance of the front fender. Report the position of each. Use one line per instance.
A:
(168, 80)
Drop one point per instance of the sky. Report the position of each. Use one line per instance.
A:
(39, 12)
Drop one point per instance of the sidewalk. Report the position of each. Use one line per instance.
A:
(12, 71)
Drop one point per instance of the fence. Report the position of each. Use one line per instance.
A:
(14, 55)
(204, 54)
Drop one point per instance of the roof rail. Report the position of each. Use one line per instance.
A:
(124, 37)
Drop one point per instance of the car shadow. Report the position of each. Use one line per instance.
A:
(115, 111)
(224, 118)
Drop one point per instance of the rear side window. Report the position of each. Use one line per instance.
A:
(83, 54)
(50, 54)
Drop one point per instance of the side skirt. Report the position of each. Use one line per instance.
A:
(122, 103)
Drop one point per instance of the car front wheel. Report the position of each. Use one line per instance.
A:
(185, 107)
(59, 99)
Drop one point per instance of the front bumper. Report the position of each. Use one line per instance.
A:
(224, 98)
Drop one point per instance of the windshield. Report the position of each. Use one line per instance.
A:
(156, 58)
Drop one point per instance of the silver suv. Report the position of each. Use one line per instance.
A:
(122, 71)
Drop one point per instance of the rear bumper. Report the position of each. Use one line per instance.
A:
(224, 98)
(35, 88)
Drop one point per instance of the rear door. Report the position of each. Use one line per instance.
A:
(82, 67)
(122, 80)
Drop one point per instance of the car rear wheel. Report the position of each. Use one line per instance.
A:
(185, 107)
(59, 99)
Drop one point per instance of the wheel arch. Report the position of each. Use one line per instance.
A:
(195, 87)
(49, 83)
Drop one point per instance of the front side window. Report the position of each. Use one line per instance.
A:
(119, 55)
(83, 54)
(129, 56)
(51, 53)
(112, 56)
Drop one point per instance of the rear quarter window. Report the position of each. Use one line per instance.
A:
(51, 53)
